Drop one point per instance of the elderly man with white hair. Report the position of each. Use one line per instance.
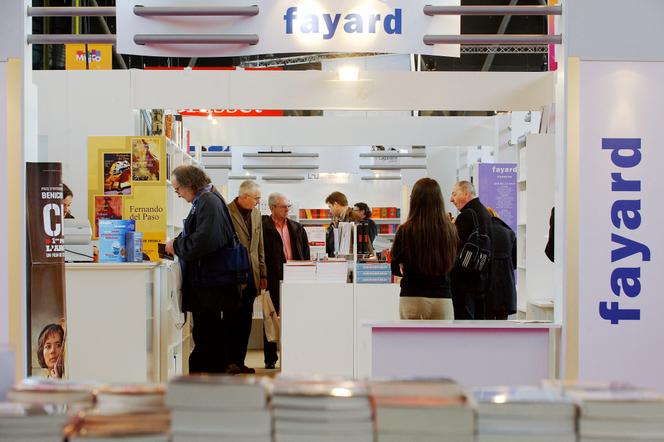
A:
(284, 240)
(468, 288)
(246, 218)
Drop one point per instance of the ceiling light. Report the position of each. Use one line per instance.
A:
(349, 73)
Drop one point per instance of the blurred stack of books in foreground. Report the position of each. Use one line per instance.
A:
(524, 414)
(615, 412)
(434, 410)
(219, 409)
(311, 408)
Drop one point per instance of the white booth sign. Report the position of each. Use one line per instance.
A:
(294, 26)
(621, 292)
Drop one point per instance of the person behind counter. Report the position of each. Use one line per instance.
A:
(49, 352)
(423, 253)
(67, 198)
(208, 228)
(363, 212)
(340, 212)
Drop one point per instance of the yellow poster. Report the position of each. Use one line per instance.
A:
(99, 56)
(130, 170)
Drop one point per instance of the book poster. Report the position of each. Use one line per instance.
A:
(46, 271)
(145, 159)
(497, 189)
(117, 174)
(107, 207)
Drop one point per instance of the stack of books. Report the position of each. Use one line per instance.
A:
(524, 414)
(75, 395)
(373, 273)
(422, 410)
(219, 409)
(299, 271)
(31, 422)
(332, 270)
(130, 398)
(618, 412)
(124, 413)
(316, 409)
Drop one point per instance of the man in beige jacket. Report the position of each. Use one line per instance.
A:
(246, 219)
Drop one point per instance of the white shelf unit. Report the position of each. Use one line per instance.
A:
(176, 207)
(535, 199)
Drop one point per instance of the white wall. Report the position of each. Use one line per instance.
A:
(614, 29)
(72, 106)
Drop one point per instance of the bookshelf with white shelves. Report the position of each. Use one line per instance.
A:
(535, 199)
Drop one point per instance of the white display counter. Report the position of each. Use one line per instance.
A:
(111, 326)
(322, 325)
(479, 353)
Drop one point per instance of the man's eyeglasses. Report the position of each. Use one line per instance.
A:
(284, 206)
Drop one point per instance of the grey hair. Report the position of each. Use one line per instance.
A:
(274, 196)
(248, 187)
(466, 187)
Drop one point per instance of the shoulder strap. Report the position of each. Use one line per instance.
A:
(229, 220)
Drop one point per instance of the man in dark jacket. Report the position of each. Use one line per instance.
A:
(501, 299)
(207, 228)
(468, 287)
(283, 240)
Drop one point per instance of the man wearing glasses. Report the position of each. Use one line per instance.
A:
(284, 240)
(246, 218)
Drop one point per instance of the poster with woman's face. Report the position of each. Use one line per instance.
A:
(144, 159)
(45, 213)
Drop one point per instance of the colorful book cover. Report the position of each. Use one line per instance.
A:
(134, 242)
(117, 174)
(151, 242)
(112, 239)
(144, 159)
(107, 207)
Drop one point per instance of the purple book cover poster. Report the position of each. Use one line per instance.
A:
(497, 189)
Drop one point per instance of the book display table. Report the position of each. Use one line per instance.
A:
(111, 328)
(479, 353)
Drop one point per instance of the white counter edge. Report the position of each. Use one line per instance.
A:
(111, 265)
(415, 324)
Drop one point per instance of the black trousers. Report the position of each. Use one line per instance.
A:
(469, 305)
(210, 353)
(239, 326)
(270, 348)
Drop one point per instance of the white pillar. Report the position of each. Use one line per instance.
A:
(15, 70)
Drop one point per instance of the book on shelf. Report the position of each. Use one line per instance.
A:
(94, 425)
(299, 271)
(332, 270)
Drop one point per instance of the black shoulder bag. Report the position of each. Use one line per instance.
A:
(475, 255)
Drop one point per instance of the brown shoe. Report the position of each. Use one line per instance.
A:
(233, 369)
(247, 370)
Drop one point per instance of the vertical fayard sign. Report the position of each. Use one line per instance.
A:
(620, 216)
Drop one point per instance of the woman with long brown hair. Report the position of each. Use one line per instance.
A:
(423, 253)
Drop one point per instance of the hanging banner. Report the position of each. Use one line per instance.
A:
(98, 57)
(287, 26)
(46, 272)
(127, 180)
(620, 216)
(497, 189)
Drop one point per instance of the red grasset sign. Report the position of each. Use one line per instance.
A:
(231, 112)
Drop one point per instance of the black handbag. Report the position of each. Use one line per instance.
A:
(227, 265)
(475, 255)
